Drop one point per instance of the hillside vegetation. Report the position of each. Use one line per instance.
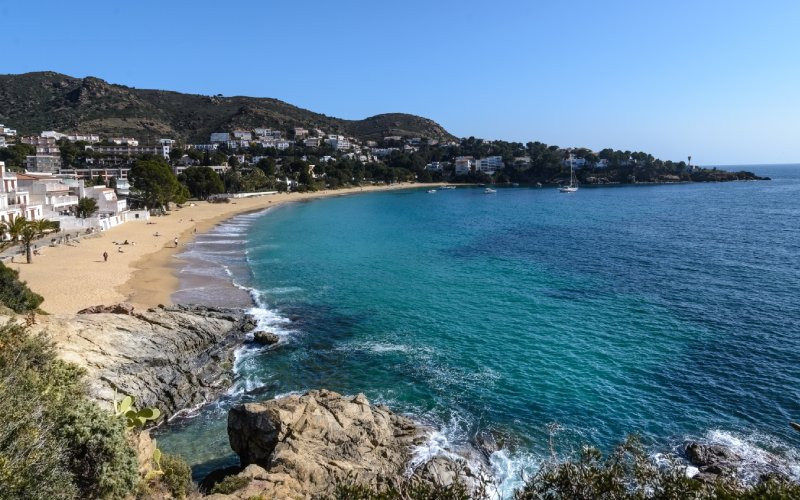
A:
(33, 102)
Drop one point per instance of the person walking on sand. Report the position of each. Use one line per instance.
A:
(105, 256)
(176, 242)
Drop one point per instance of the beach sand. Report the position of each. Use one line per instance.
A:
(71, 278)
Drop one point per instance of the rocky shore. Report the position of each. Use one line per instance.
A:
(302, 446)
(171, 358)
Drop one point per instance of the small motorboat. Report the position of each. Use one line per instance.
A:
(489, 191)
(431, 191)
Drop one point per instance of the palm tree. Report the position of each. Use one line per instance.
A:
(15, 228)
(25, 232)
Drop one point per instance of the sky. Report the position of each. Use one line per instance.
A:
(718, 80)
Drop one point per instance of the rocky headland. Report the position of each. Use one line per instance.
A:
(170, 358)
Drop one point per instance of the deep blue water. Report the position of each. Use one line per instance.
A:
(672, 311)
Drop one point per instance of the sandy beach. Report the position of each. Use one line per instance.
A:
(71, 278)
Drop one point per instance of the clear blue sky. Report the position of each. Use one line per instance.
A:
(719, 80)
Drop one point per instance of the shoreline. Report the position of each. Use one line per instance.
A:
(144, 273)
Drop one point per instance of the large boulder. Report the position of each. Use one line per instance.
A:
(302, 446)
(265, 338)
(712, 460)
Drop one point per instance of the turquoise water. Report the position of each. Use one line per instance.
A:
(667, 310)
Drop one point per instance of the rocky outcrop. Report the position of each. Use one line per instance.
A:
(123, 308)
(303, 446)
(712, 460)
(265, 338)
(170, 358)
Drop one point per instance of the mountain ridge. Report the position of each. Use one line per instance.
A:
(47, 100)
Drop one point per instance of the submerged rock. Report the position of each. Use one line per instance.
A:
(303, 446)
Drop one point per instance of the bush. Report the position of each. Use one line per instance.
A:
(53, 442)
(628, 473)
(14, 293)
(231, 484)
(177, 475)
(405, 490)
(97, 451)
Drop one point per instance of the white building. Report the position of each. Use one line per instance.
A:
(50, 192)
(300, 133)
(14, 201)
(338, 142)
(577, 162)
(130, 150)
(464, 165)
(311, 142)
(204, 147)
(90, 138)
(128, 141)
(108, 203)
(242, 135)
(53, 134)
(7, 130)
(490, 164)
(219, 169)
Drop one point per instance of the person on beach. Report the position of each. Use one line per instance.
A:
(176, 242)
(105, 256)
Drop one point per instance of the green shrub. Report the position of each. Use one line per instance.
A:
(53, 442)
(97, 452)
(14, 293)
(231, 484)
(405, 490)
(177, 475)
(628, 473)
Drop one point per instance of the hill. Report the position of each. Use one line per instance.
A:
(33, 102)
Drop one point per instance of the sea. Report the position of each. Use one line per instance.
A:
(537, 320)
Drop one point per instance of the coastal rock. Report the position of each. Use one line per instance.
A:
(170, 358)
(123, 308)
(265, 338)
(712, 460)
(702, 455)
(303, 446)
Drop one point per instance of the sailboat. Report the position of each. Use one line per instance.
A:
(573, 182)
